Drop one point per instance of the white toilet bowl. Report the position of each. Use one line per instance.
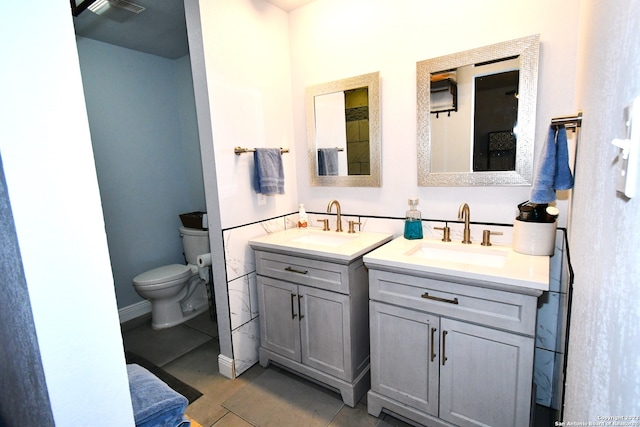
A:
(177, 292)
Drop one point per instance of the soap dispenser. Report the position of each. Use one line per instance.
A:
(302, 217)
(413, 221)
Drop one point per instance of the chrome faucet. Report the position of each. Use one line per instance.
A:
(338, 217)
(463, 213)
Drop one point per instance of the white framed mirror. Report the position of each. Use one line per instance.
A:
(476, 114)
(343, 132)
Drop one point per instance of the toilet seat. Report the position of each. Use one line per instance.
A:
(164, 275)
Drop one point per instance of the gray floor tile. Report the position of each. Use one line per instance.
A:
(232, 420)
(134, 323)
(204, 324)
(199, 369)
(165, 345)
(206, 411)
(354, 417)
(277, 400)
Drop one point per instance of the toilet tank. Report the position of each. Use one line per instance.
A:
(195, 242)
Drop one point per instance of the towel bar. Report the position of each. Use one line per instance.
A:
(337, 148)
(569, 122)
(240, 150)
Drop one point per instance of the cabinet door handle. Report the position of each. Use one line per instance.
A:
(299, 309)
(433, 350)
(293, 270)
(450, 301)
(293, 314)
(444, 357)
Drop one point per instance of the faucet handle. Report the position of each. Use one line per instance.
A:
(351, 226)
(446, 233)
(486, 236)
(325, 224)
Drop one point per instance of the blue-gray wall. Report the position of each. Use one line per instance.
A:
(145, 142)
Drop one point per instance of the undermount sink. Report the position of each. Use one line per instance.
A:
(497, 266)
(324, 239)
(314, 242)
(463, 254)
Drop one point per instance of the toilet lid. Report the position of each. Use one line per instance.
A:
(163, 274)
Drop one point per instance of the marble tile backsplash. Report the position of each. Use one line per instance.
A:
(243, 301)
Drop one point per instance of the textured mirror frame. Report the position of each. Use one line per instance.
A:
(528, 49)
(372, 82)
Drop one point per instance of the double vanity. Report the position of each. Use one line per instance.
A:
(440, 333)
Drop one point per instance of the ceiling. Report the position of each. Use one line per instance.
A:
(159, 30)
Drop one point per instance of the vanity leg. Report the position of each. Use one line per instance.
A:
(264, 359)
(353, 393)
(374, 405)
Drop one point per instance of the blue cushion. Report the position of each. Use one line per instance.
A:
(155, 404)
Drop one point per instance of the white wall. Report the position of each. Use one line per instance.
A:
(246, 44)
(242, 81)
(51, 179)
(334, 39)
(147, 154)
(603, 367)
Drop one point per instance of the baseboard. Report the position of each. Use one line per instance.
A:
(134, 310)
(226, 367)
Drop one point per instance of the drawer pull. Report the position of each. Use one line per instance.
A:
(293, 314)
(433, 350)
(450, 301)
(293, 270)
(444, 352)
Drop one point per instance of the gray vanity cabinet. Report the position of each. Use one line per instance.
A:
(305, 324)
(450, 354)
(314, 320)
(403, 365)
(486, 378)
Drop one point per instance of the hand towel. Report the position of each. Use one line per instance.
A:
(553, 171)
(269, 172)
(327, 161)
(563, 179)
(155, 404)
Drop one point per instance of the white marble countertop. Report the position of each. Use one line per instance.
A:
(313, 242)
(496, 266)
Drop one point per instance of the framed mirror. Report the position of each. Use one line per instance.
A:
(476, 114)
(343, 132)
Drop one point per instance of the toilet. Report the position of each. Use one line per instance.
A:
(178, 292)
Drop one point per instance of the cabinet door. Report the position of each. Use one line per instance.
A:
(324, 329)
(485, 376)
(404, 356)
(279, 328)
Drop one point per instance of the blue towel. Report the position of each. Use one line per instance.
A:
(155, 404)
(563, 179)
(269, 172)
(328, 161)
(553, 171)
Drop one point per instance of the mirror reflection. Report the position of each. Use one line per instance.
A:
(476, 115)
(479, 135)
(343, 132)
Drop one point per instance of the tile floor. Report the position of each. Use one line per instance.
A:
(190, 352)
